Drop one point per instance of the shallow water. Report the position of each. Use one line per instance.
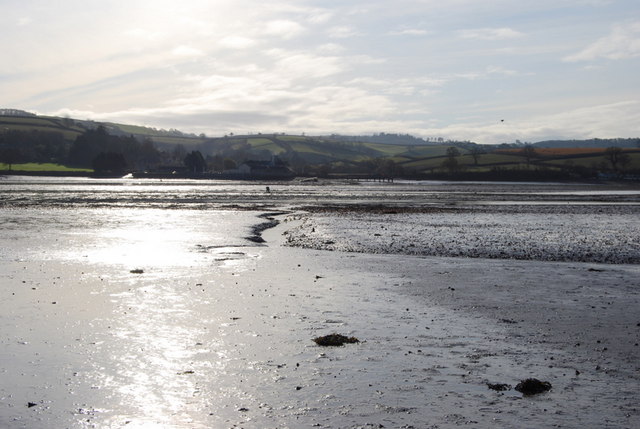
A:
(206, 194)
(104, 311)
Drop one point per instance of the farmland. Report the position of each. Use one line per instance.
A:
(51, 138)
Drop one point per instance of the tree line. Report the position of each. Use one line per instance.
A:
(95, 148)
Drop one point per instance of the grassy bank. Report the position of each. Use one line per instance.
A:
(39, 168)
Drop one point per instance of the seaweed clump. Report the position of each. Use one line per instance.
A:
(533, 386)
(335, 340)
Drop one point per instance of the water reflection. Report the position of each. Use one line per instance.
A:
(207, 194)
(152, 369)
(152, 239)
(151, 345)
(165, 338)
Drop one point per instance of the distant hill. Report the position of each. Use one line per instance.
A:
(14, 119)
(590, 143)
(15, 112)
(393, 138)
(29, 138)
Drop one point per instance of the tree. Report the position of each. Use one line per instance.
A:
(475, 152)
(451, 163)
(10, 156)
(453, 152)
(195, 162)
(614, 155)
(229, 164)
(529, 152)
(625, 160)
(87, 146)
(387, 168)
(148, 155)
(109, 162)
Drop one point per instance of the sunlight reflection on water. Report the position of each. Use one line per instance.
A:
(153, 366)
(157, 341)
(139, 238)
(158, 336)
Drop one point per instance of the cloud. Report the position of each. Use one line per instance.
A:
(354, 67)
(147, 35)
(501, 71)
(487, 72)
(187, 51)
(283, 28)
(331, 48)
(409, 32)
(317, 16)
(490, 33)
(304, 66)
(611, 120)
(236, 42)
(342, 32)
(621, 43)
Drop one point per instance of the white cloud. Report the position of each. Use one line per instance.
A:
(237, 42)
(501, 71)
(147, 35)
(331, 48)
(24, 21)
(187, 51)
(304, 66)
(342, 32)
(598, 121)
(623, 42)
(317, 16)
(490, 33)
(409, 32)
(283, 28)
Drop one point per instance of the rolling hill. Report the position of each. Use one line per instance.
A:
(381, 154)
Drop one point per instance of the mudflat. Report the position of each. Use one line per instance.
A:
(120, 316)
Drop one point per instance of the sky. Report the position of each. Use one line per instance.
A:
(487, 71)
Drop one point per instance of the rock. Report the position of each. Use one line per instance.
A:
(532, 386)
(335, 340)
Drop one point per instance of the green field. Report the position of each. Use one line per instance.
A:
(32, 166)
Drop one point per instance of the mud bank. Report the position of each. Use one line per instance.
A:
(600, 234)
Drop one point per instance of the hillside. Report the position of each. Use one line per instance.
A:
(27, 138)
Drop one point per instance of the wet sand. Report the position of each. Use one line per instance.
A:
(94, 348)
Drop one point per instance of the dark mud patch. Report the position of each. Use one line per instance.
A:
(335, 340)
(499, 387)
(532, 386)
